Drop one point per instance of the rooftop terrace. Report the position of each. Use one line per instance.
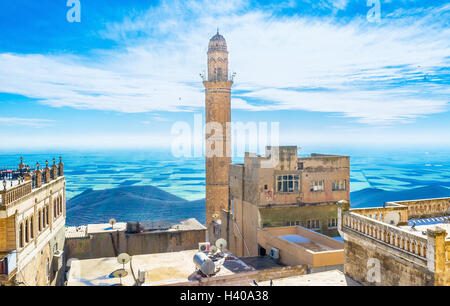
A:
(160, 269)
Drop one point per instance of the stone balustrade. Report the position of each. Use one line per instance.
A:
(379, 213)
(395, 237)
(426, 208)
(14, 193)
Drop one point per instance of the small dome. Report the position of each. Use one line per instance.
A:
(217, 43)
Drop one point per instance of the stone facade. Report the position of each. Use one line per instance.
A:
(281, 189)
(218, 118)
(32, 222)
(378, 253)
(110, 243)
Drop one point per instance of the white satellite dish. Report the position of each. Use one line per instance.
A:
(221, 244)
(392, 218)
(123, 258)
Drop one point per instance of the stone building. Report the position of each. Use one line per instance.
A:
(32, 225)
(282, 189)
(218, 117)
(388, 246)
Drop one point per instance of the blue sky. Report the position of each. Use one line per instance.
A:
(130, 69)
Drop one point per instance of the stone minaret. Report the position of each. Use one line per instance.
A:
(218, 116)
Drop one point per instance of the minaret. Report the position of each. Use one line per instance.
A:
(218, 116)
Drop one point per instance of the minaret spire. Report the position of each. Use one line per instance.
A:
(218, 138)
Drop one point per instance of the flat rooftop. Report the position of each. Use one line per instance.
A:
(327, 278)
(160, 269)
(149, 227)
(307, 243)
(421, 229)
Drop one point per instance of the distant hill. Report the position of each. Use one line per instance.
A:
(131, 203)
(375, 197)
(148, 203)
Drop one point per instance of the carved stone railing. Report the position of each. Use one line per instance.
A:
(14, 193)
(395, 237)
(379, 213)
(425, 208)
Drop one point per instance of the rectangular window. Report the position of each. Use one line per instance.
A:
(313, 224)
(317, 186)
(332, 223)
(339, 185)
(288, 183)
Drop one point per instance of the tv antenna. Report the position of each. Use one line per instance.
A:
(392, 218)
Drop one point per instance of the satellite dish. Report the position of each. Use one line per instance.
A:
(213, 249)
(119, 274)
(221, 244)
(112, 221)
(392, 218)
(123, 258)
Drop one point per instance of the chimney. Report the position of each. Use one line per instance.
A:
(47, 173)
(38, 176)
(21, 165)
(54, 170)
(60, 167)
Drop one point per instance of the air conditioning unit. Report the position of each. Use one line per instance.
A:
(274, 253)
(203, 247)
(57, 260)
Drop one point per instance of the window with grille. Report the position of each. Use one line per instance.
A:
(332, 223)
(317, 186)
(288, 183)
(339, 185)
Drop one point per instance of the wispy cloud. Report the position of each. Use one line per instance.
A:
(373, 74)
(36, 123)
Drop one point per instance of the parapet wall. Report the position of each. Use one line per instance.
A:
(426, 208)
(246, 278)
(378, 253)
(110, 244)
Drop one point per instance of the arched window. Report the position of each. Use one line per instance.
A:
(27, 231)
(40, 220)
(54, 208)
(31, 228)
(21, 235)
(48, 270)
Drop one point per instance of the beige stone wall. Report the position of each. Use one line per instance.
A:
(247, 278)
(282, 216)
(292, 254)
(100, 245)
(34, 273)
(7, 234)
(395, 270)
(328, 169)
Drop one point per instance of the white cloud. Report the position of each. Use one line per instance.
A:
(36, 123)
(356, 70)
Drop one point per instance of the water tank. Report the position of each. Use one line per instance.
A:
(204, 263)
